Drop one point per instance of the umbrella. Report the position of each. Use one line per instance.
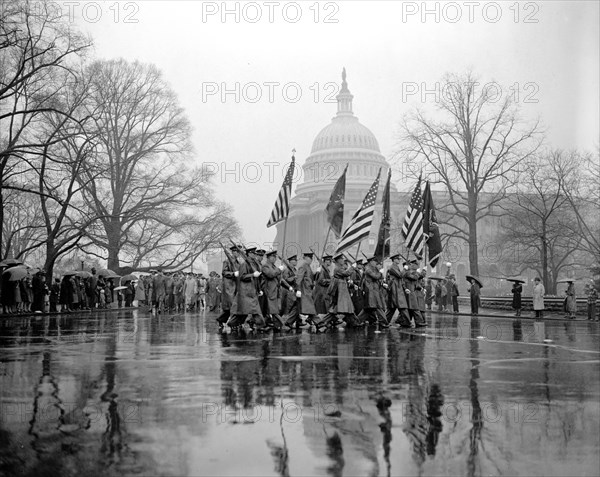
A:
(83, 274)
(565, 280)
(435, 277)
(10, 262)
(475, 279)
(129, 278)
(120, 288)
(516, 280)
(107, 273)
(71, 273)
(16, 273)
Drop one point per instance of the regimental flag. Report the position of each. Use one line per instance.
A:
(335, 207)
(430, 227)
(383, 240)
(360, 225)
(281, 209)
(412, 229)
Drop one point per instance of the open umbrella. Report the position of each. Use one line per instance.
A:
(16, 273)
(475, 279)
(120, 288)
(435, 277)
(565, 280)
(515, 280)
(71, 273)
(129, 278)
(107, 273)
(83, 274)
(10, 262)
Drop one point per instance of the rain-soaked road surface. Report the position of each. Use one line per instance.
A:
(127, 393)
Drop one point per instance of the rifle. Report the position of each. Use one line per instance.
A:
(243, 254)
(232, 262)
(318, 258)
(287, 264)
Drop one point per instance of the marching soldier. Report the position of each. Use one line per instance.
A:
(246, 300)
(304, 290)
(356, 290)
(322, 282)
(411, 278)
(373, 303)
(271, 289)
(288, 286)
(339, 295)
(396, 296)
(229, 286)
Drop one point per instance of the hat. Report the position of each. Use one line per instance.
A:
(327, 257)
(234, 248)
(271, 253)
(394, 257)
(359, 261)
(371, 258)
(260, 252)
(251, 250)
(339, 255)
(308, 254)
(293, 257)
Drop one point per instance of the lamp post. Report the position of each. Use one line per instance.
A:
(448, 264)
(82, 264)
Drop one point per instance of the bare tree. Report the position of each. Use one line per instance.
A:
(582, 190)
(539, 223)
(144, 184)
(474, 151)
(35, 44)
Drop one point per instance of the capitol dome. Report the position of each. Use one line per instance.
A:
(345, 131)
(345, 141)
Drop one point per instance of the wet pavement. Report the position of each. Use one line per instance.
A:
(128, 393)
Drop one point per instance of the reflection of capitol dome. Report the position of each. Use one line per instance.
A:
(345, 141)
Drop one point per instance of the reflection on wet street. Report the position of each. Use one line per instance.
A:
(135, 394)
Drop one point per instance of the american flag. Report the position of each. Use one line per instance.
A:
(412, 229)
(281, 209)
(360, 225)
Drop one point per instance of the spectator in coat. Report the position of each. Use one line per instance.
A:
(592, 297)
(54, 295)
(517, 290)
(39, 291)
(453, 293)
(571, 301)
(538, 297)
(475, 293)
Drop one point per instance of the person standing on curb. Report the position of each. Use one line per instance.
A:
(517, 290)
(538, 298)
(454, 294)
(592, 297)
(571, 301)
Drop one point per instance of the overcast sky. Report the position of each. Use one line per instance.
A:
(547, 51)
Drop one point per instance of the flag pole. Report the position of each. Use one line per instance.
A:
(283, 254)
(325, 243)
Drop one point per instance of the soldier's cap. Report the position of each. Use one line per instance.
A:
(308, 254)
(234, 248)
(394, 257)
(359, 261)
(260, 252)
(251, 250)
(410, 262)
(338, 256)
(271, 253)
(327, 257)
(371, 258)
(292, 257)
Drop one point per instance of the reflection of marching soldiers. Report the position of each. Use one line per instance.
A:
(264, 295)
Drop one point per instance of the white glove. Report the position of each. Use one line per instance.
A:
(382, 271)
(236, 274)
(256, 274)
(354, 265)
(318, 269)
(350, 282)
(291, 289)
(280, 267)
(298, 293)
(407, 291)
(385, 285)
(418, 270)
(260, 293)
(405, 267)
